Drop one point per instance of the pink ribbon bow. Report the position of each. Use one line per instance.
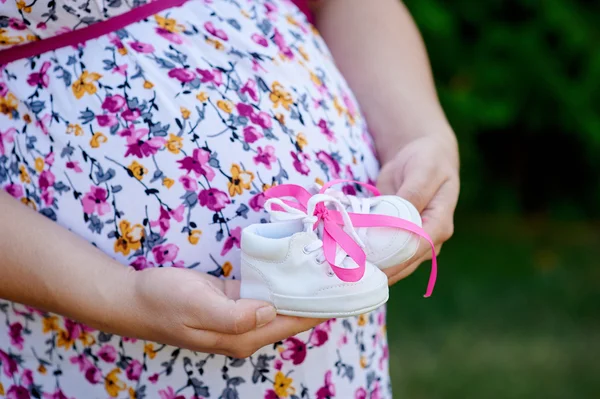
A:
(334, 235)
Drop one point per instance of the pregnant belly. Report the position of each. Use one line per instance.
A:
(156, 142)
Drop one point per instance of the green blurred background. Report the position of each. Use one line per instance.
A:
(516, 313)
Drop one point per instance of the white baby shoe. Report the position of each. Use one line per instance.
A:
(284, 264)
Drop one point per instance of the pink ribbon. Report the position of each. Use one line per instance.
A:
(334, 235)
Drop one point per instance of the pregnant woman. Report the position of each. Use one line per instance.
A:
(135, 150)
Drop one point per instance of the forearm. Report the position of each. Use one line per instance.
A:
(378, 49)
(47, 267)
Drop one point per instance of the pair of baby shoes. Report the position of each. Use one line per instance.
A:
(322, 253)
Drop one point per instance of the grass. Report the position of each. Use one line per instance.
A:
(515, 314)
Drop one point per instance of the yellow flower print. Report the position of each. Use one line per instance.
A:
(42, 369)
(97, 139)
(75, 129)
(29, 203)
(27, 118)
(148, 84)
(132, 394)
(303, 53)
(301, 140)
(227, 268)
(174, 144)
(22, 5)
(1, 389)
(8, 105)
(113, 385)
(167, 182)
(138, 170)
(5, 39)
(282, 385)
(87, 339)
(202, 96)
(122, 50)
(185, 113)
(49, 323)
(169, 24)
(194, 236)
(280, 118)
(85, 84)
(64, 340)
(316, 80)
(362, 320)
(245, 13)
(338, 107)
(237, 184)
(363, 362)
(32, 38)
(266, 186)
(149, 350)
(217, 44)
(130, 238)
(39, 164)
(320, 182)
(23, 175)
(280, 97)
(225, 106)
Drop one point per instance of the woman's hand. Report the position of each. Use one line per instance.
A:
(425, 172)
(200, 312)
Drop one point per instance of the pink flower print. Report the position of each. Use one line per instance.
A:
(213, 199)
(182, 74)
(245, 109)
(328, 389)
(295, 350)
(250, 89)
(9, 365)
(115, 40)
(6, 137)
(141, 263)
(153, 378)
(380, 316)
(127, 339)
(332, 165)
(349, 104)
(114, 103)
(131, 114)
(300, 162)
(43, 123)
(3, 89)
(189, 184)
(177, 213)
(256, 67)
(326, 131)
(73, 328)
(95, 201)
(278, 364)
(169, 393)
(16, 339)
(251, 134)
(14, 189)
(283, 47)
(170, 36)
(165, 253)
(198, 163)
(58, 394)
(384, 357)
(271, 10)
(108, 353)
(41, 78)
(48, 197)
(270, 394)
(319, 336)
(17, 392)
(27, 378)
(210, 76)
(260, 39)
(144, 48)
(75, 166)
(257, 202)
(49, 159)
(107, 120)
(349, 189)
(266, 156)
(46, 180)
(134, 370)
(93, 375)
(210, 28)
(120, 69)
(41, 26)
(82, 361)
(233, 240)
(16, 24)
(163, 221)
(376, 392)
(349, 173)
(262, 119)
(360, 393)
(138, 147)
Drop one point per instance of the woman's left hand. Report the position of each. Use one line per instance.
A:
(425, 172)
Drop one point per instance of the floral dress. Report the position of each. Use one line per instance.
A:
(155, 143)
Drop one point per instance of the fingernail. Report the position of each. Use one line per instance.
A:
(265, 315)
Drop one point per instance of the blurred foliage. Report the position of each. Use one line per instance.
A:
(520, 82)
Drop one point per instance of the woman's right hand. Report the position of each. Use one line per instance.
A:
(196, 311)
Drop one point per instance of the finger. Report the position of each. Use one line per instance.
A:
(438, 217)
(410, 267)
(419, 185)
(221, 313)
(386, 181)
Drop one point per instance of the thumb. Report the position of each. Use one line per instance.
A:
(418, 188)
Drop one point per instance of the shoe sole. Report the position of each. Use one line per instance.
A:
(290, 306)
